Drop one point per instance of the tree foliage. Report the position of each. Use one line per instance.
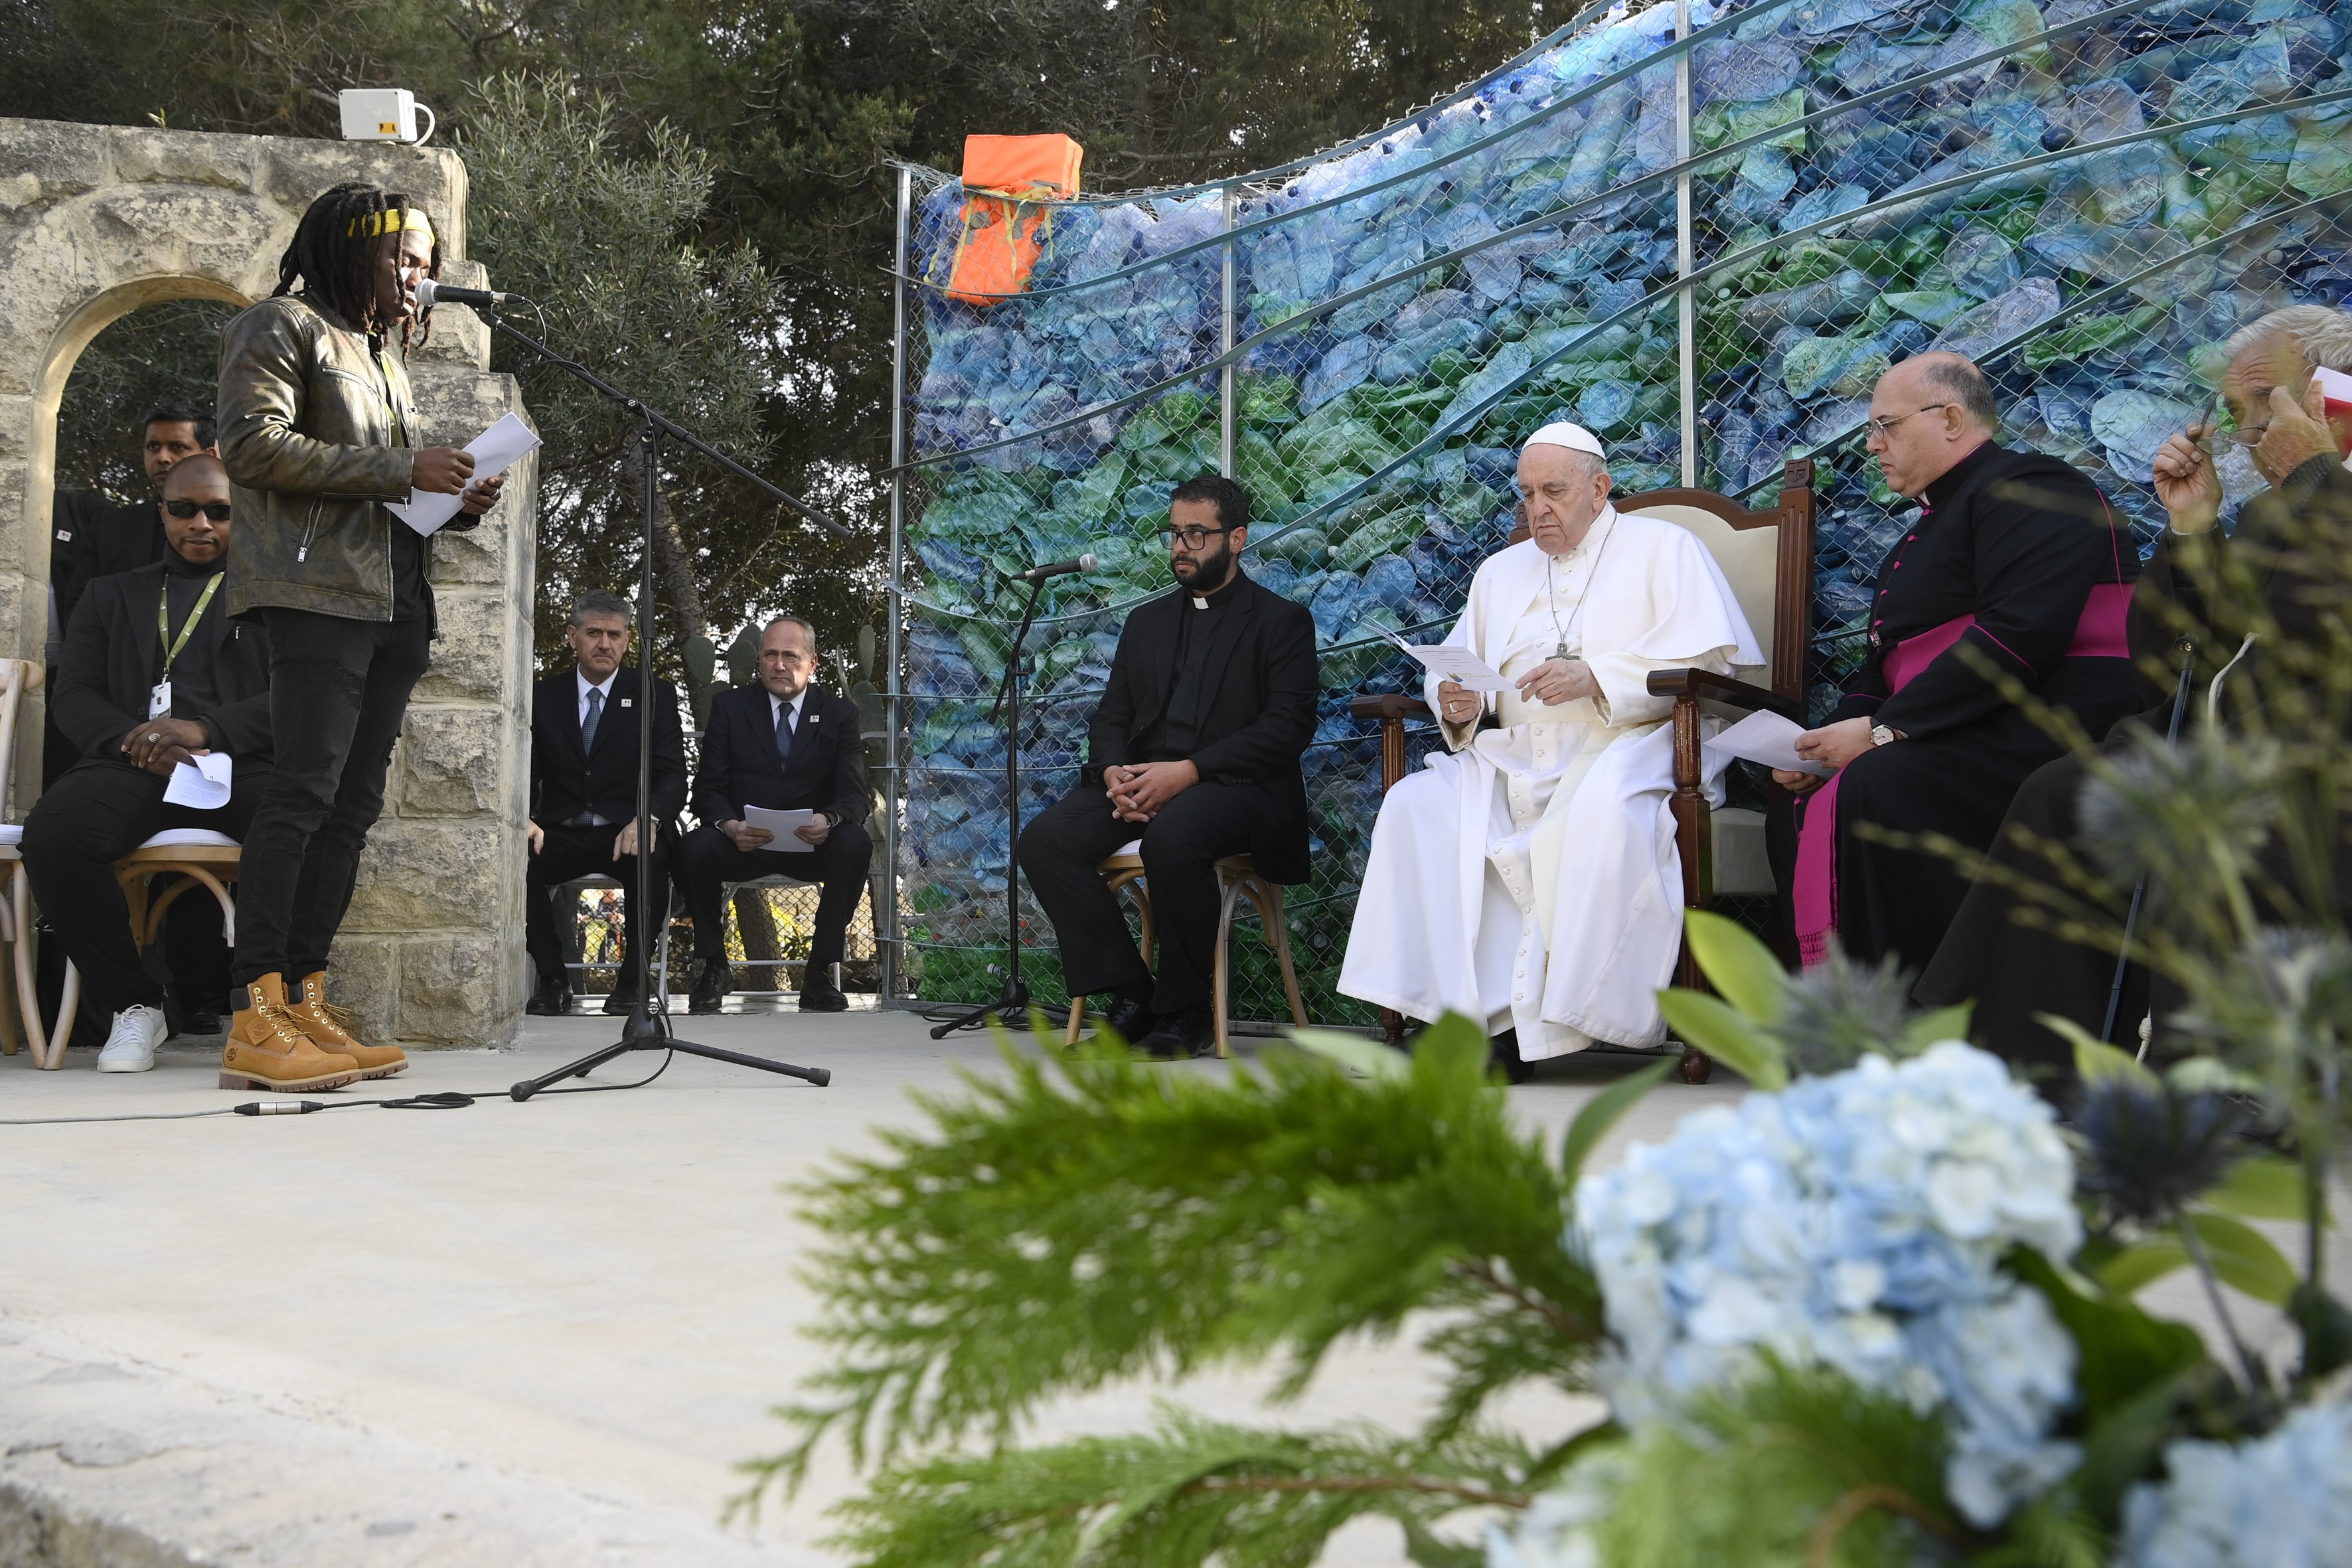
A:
(790, 107)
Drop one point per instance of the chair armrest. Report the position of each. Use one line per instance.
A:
(1710, 687)
(1391, 705)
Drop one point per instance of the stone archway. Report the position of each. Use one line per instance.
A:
(96, 221)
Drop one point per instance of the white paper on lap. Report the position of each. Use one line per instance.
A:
(784, 825)
(1765, 738)
(494, 451)
(202, 785)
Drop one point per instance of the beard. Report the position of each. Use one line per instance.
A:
(1209, 573)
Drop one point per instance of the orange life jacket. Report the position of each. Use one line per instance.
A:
(1009, 184)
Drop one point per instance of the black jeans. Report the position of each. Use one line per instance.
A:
(707, 858)
(338, 693)
(568, 852)
(99, 811)
(1182, 846)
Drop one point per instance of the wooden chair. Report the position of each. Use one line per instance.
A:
(195, 857)
(17, 676)
(1237, 878)
(1768, 558)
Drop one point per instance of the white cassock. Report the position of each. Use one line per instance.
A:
(1529, 878)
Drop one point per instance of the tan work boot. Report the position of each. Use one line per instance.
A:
(329, 1028)
(266, 1048)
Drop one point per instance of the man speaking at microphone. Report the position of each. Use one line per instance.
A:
(1193, 750)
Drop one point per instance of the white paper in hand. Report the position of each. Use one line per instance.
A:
(784, 825)
(200, 786)
(1458, 665)
(1769, 739)
(494, 451)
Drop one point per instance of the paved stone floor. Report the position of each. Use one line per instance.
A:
(511, 1334)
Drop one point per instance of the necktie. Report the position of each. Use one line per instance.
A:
(784, 732)
(588, 725)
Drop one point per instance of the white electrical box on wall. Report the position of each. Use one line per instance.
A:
(383, 114)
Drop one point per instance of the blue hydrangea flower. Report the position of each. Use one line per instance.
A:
(2281, 1501)
(1855, 1221)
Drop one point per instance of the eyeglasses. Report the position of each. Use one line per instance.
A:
(1191, 538)
(1879, 427)
(215, 509)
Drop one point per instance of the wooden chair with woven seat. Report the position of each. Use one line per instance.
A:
(17, 676)
(196, 858)
(1768, 558)
(1237, 878)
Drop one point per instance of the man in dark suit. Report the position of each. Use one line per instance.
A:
(584, 727)
(92, 536)
(136, 700)
(1194, 750)
(786, 746)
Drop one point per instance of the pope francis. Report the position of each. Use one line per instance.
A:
(1528, 876)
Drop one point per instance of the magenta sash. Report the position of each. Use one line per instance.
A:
(2099, 633)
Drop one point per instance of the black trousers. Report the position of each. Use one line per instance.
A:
(338, 693)
(1060, 850)
(568, 852)
(707, 860)
(99, 811)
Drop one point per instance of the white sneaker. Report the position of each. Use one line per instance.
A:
(131, 1047)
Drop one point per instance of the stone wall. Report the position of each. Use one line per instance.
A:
(96, 221)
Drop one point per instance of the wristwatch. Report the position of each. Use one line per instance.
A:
(1880, 735)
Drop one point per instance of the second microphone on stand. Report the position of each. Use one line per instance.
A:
(1054, 569)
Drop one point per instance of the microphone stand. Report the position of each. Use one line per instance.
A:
(1010, 1007)
(2139, 890)
(649, 1027)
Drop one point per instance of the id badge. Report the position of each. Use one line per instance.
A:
(159, 701)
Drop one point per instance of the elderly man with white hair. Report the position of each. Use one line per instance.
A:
(1527, 876)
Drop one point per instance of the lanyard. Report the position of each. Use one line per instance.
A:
(171, 645)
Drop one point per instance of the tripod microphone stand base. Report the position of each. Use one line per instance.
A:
(1011, 1008)
(646, 1031)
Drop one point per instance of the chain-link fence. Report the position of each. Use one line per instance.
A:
(1701, 231)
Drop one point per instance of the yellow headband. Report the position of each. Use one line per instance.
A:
(391, 220)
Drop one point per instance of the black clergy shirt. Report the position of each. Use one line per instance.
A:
(1176, 734)
(2017, 539)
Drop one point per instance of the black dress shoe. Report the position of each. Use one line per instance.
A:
(712, 983)
(1505, 1047)
(622, 1000)
(1181, 1036)
(820, 994)
(551, 1000)
(200, 1023)
(1130, 1021)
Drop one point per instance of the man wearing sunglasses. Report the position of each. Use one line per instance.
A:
(154, 674)
(2015, 573)
(1194, 751)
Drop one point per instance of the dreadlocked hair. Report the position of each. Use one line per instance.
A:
(333, 255)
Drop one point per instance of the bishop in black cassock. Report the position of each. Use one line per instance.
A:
(2291, 536)
(2016, 566)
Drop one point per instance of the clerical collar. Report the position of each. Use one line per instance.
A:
(1947, 485)
(1216, 596)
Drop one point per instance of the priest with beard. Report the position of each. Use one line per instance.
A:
(1527, 876)
(1194, 752)
(2017, 574)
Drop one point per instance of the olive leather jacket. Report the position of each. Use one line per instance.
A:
(313, 449)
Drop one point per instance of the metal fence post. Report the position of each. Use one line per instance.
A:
(1225, 335)
(1685, 300)
(893, 699)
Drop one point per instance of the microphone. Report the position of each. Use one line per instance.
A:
(1054, 569)
(430, 290)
